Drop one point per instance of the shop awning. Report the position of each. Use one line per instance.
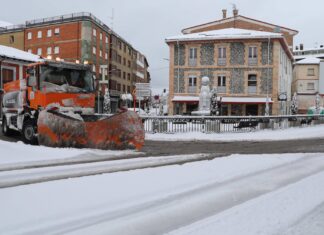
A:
(226, 100)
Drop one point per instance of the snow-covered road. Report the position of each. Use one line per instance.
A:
(240, 194)
(67, 170)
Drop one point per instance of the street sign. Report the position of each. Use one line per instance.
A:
(143, 90)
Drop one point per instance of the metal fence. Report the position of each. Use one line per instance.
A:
(210, 124)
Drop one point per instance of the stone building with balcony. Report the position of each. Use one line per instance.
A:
(248, 68)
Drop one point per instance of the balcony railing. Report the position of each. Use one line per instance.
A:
(221, 89)
(252, 89)
(192, 89)
(192, 62)
(221, 61)
(253, 61)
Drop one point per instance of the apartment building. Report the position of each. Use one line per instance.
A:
(83, 38)
(308, 81)
(249, 68)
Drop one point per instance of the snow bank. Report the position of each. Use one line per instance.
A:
(263, 135)
(20, 152)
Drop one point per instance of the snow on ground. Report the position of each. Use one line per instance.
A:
(69, 205)
(272, 213)
(262, 135)
(12, 153)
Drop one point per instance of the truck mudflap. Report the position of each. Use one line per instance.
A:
(124, 130)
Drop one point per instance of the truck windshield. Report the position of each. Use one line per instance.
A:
(56, 79)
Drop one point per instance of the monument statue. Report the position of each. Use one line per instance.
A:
(204, 99)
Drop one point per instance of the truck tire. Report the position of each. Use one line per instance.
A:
(6, 131)
(29, 132)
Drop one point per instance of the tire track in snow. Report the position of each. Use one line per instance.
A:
(169, 213)
(40, 175)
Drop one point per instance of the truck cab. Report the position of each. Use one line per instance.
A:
(65, 86)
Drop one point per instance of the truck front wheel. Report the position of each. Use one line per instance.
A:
(29, 132)
(5, 128)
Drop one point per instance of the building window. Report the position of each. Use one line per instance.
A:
(221, 84)
(124, 88)
(311, 72)
(49, 50)
(120, 45)
(106, 56)
(30, 51)
(29, 35)
(11, 39)
(100, 36)
(128, 89)
(57, 31)
(193, 56)
(192, 84)
(125, 48)
(94, 32)
(253, 56)
(119, 59)
(252, 84)
(39, 34)
(107, 40)
(56, 50)
(310, 86)
(128, 76)
(124, 61)
(94, 50)
(39, 51)
(124, 75)
(100, 53)
(129, 64)
(8, 75)
(49, 33)
(93, 68)
(221, 56)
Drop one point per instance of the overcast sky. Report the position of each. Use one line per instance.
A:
(146, 23)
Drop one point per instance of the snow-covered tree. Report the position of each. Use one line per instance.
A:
(294, 105)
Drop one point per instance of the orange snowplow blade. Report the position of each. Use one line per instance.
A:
(124, 130)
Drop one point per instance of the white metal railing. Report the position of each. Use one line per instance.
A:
(223, 124)
(192, 62)
(252, 89)
(221, 61)
(192, 89)
(253, 61)
(221, 89)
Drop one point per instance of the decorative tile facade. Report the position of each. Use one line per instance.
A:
(266, 84)
(207, 54)
(264, 51)
(237, 53)
(237, 81)
(181, 53)
(181, 81)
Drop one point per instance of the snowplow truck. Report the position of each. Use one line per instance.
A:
(54, 106)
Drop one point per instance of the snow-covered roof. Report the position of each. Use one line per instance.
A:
(13, 53)
(310, 60)
(298, 57)
(4, 24)
(252, 100)
(229, 33)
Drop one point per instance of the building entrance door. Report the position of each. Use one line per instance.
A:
(251, 109)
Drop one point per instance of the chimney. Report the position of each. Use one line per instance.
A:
(224, 13)
(235, 12)
(301, 47)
